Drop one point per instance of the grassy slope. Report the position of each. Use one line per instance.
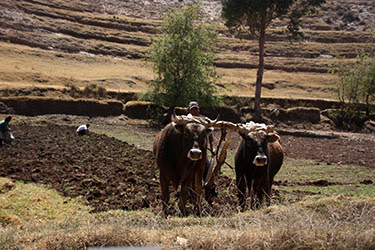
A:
(78, 43)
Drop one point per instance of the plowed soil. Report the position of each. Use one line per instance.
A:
(111, 174)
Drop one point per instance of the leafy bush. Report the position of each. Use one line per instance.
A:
(352, 121)
(355, 86)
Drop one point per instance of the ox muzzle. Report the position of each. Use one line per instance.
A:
(260, 159)
(195, 153)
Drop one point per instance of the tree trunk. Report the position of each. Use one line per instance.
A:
(258, 86)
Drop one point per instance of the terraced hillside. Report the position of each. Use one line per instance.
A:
(56, 43)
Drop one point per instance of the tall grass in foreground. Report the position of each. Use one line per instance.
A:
(340, 222)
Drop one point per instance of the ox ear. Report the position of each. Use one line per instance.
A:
(178, 127)
(272, 137)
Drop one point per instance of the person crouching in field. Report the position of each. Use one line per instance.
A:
(5, 134)
(83, 129)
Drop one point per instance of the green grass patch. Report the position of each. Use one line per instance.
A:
(301, 179)
(130, 135)
(301, 170)
(22, 203)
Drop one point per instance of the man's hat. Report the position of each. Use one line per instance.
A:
(193, 105)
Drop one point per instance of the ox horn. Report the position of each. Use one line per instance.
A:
(205, 121)
(270, 129)
(182, 120)
(241, 129)
(212, 123)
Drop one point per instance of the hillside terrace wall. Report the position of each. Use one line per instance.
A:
(241, 101)
(125, 97)
(145, 110)
(41, 106)
(235, 109)
(283, 103)
(137, 109)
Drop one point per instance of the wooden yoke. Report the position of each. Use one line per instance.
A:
(221, 155)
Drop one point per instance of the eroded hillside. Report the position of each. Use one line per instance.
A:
(81, 42)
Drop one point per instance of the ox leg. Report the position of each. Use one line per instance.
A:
(241, 187)
(259, 192)
(252, 194)
(197, 194)
(183, 198)
(165, 196)
(210, 193)
(268, 191)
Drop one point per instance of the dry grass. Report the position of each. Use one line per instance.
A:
(54, 69)
(47, 221)
(241, 82)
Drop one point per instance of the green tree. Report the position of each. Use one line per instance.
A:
(182, 59)
(368, 90)
(355, 84)
(369, 86)
(349, 83)
(255, 16)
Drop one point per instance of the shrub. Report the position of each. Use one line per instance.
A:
(94, 91)
(73, 90)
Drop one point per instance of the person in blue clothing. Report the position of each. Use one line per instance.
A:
(5, 131)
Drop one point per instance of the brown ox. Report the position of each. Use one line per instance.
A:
(180, 151)
(258, 159)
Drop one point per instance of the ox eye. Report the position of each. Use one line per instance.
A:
(186, 134)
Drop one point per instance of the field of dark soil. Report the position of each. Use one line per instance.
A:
(111, 174)
(107, 172)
